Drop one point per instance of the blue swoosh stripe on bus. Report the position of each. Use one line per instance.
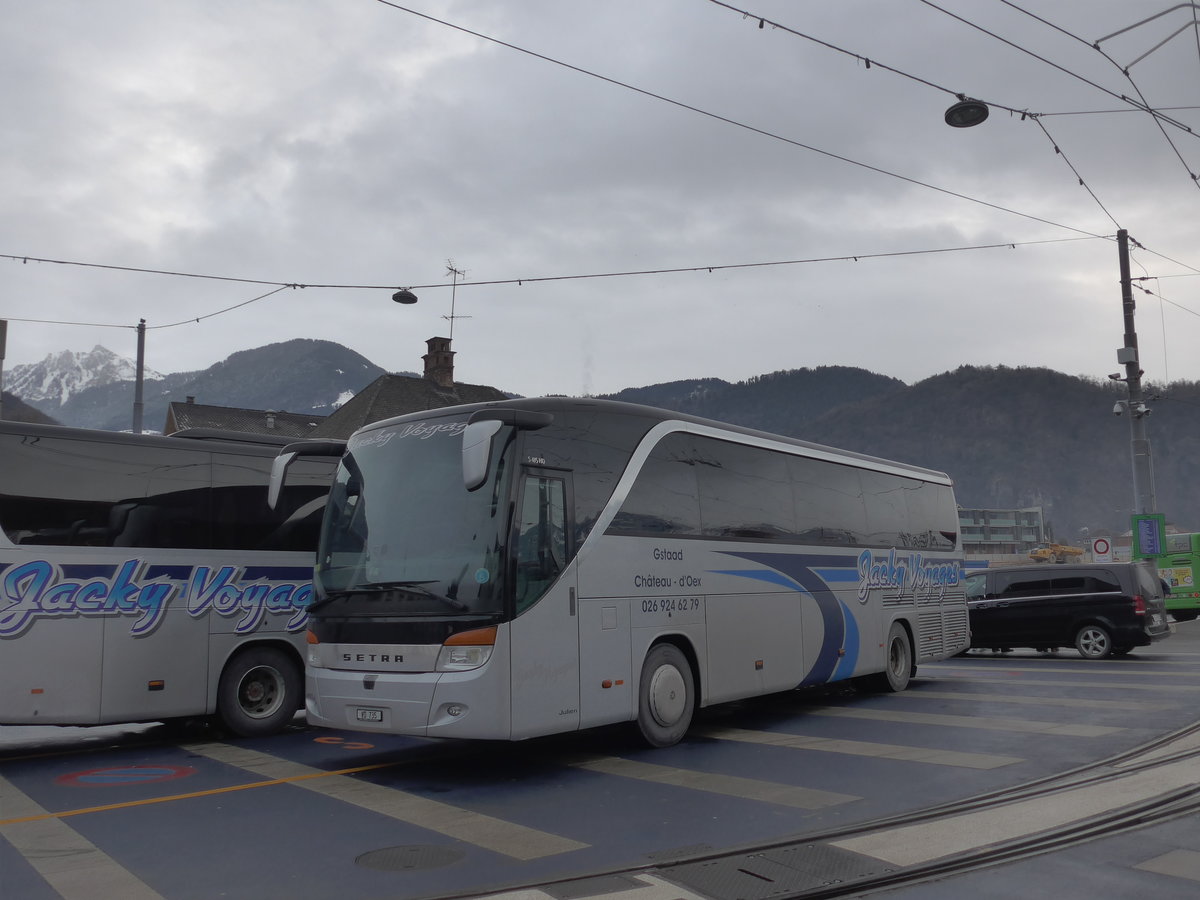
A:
(845, 667)
(801, 570)
(840, 574)
(772, 577)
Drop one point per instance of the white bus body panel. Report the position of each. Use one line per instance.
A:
(66, 659)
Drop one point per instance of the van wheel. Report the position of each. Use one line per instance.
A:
(1093, 642)
(666, 696)
(259, 692)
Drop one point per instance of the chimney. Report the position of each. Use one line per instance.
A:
(271, 419)
(191, 399)
(439, 362)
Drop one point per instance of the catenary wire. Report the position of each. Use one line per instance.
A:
(1123, 98)
(1095, 45)
(1024, 113)
(728, 121)
(281, 285)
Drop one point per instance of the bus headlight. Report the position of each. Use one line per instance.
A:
(466, 650)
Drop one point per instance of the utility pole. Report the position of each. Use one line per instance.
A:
(1143, 469)
(3, 341)
(140, 377)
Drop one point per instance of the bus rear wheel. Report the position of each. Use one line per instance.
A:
(259, 692)
(898, 662)
(666, 696)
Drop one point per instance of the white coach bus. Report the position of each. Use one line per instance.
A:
(145, 578)
(527, 567)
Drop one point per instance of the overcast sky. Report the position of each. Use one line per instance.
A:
(353, 142)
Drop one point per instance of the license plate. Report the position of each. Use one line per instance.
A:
(368, 715)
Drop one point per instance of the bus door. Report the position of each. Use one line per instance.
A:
(544, 641)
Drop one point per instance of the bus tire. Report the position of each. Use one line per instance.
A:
(666, 696)
(1182, 615)
(1093, 642)
(899, 666)
(259, 692)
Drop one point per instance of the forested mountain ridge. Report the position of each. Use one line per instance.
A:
(1009, 437)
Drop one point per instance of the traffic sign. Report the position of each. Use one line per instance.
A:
(1101, 550)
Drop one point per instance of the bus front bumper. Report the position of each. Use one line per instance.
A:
(428, 704)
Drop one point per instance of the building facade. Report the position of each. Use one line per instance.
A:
(991, 533)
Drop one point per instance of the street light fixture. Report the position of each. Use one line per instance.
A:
(404, 296)
(966, 113)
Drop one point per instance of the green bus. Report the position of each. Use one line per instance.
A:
(1178, 566)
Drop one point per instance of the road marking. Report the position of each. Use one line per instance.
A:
(172, 798)
(957, 758)
(507, 838)
(1069, 702)
(727, 785)
(987, 723)
(1177, 863)
(1126, 668)
(913, 844)
(1120, 686)
(69, 862)
(636, 886)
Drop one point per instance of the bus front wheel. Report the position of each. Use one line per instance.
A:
(666, 696)
(259, 692)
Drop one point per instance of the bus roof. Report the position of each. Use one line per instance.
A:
(654, 415)
(234, 441)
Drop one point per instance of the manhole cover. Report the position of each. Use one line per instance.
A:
(413, 856)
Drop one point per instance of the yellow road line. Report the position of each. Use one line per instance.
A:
(498, 835)
(149, 801)
(71, 864)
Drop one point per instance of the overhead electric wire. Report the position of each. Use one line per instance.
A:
(728, 121)
(1142, 105)
(1071, 166)
(1095, 45)
(282, 285)
(1024, 113)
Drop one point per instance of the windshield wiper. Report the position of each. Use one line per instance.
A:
(380, 587)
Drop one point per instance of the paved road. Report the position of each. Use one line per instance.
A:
(130, 813)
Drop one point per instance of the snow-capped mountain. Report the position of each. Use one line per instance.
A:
(95, 390)
(60, 375)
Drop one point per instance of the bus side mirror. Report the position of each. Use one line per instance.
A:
(288, 455)
(477, 451)
(278, 472)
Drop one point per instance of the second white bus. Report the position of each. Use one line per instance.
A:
(145, 578)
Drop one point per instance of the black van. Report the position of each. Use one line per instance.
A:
(1100, 609)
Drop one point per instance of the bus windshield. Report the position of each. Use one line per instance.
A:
(403, 537)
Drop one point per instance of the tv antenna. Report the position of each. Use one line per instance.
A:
(456, 274)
